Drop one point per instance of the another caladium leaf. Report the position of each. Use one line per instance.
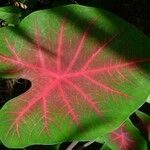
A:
(88, 75)
(148, 99)
(11, 15)
(105, 147)
(146, 121)
(126, 137)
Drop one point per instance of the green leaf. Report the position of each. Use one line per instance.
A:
(89, 71)
(105, 147)
(148, 99)
(146, 121)
(10, 14)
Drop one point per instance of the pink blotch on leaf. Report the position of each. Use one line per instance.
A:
(123, 139)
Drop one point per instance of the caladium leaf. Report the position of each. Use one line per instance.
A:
(146, 121)
(126, 137)
(133, 134)
(88, 75)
